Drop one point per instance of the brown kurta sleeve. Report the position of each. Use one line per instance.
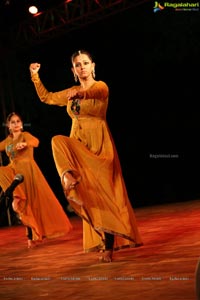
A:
(52, 98)
(98, 91)
(31, 140)
(2, 145)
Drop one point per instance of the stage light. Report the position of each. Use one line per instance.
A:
(33, 10)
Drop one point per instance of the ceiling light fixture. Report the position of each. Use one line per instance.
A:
(33, 10)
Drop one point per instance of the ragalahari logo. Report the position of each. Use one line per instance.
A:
(177, 6)
(157, 7)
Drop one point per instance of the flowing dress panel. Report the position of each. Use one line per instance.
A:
(90, 153)
(38, 207)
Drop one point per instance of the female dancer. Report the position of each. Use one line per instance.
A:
(88, 163)
(33, 200)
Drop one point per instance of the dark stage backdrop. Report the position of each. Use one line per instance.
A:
(150, 62)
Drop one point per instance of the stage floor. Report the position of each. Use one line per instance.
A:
(164, 268)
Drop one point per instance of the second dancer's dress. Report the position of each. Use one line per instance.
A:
(38, 208)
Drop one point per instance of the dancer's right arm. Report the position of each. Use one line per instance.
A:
(2, 145)
(55, 98)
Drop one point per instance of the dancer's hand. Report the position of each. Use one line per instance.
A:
(34, 68)
(75, 93)
(20, 146)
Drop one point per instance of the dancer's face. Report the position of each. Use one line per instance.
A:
(83, 66)
(15, 124)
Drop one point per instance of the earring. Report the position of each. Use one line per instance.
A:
(75, 77)
(93, 73)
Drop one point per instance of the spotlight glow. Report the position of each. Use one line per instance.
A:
(33, 10)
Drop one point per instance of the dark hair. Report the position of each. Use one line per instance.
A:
(75, 54)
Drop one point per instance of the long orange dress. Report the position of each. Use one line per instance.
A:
(91, 155)
(38, 208)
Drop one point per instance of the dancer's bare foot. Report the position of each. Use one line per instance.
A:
(69, 182)
(106, 256)
(15, 204)
(31, 244)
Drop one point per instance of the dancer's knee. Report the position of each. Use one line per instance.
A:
(57, 139)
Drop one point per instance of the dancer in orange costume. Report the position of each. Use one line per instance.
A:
(33, 200)
(88, 163)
